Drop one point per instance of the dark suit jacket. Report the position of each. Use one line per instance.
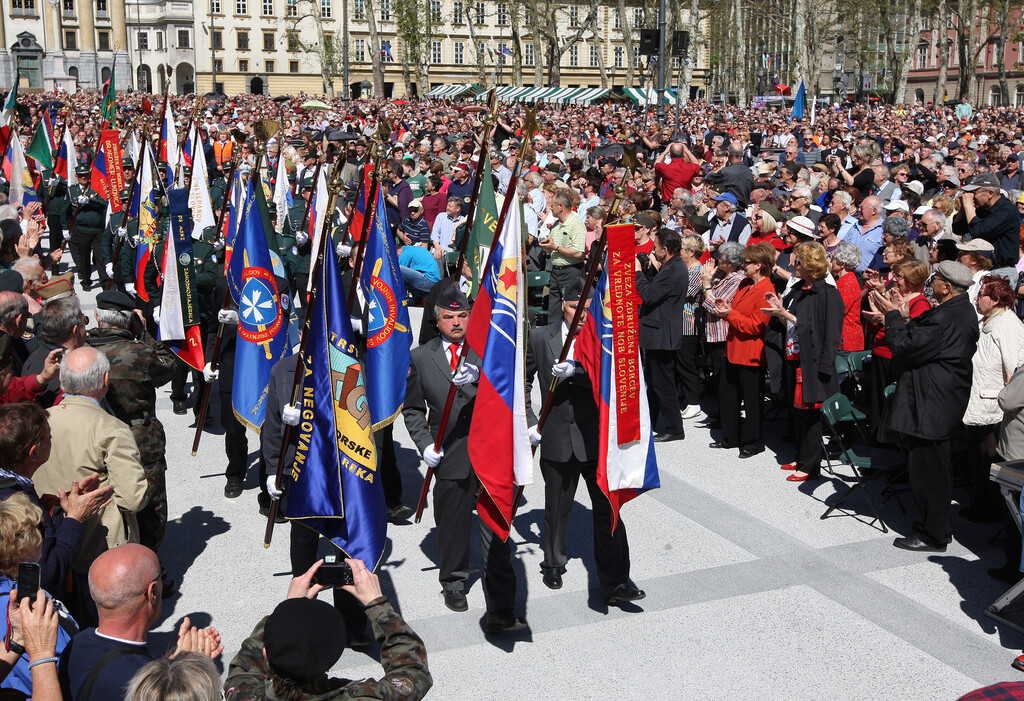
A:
(571, 428)
(282, 377)
(661, 317)
(819, 330)
(735, 178)
(430, 376)
(936, 351)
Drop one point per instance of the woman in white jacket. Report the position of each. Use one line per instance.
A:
(1000, 352)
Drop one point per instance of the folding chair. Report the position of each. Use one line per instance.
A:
(536, 294)
(868, 464)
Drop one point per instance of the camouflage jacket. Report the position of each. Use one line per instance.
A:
(402, 654)
(137, 368)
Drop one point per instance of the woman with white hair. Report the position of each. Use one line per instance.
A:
(763, 227)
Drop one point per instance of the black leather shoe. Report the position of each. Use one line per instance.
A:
(504, 621)
(179, 407)
(919, 543)
(552, 579)
(721, 444)
(750, 452)
(625, 593)
(402, 512)
(456, 600)
(278, 518)
(666, 437)
(233, 489)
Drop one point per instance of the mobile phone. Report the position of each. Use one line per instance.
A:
(333, 573)
(28, 581)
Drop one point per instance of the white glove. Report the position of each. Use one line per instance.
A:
(343, 251)
(534, 436)
(209, 374)
(467, 374)
(290, 414)
(218, 245)
(156, 315)
(227, 316)
(564, 370)
(136, 240)
(272, 489)
(357, 324)
(430, 457)
(66, 235)
(301, 238)
(50, 182)
(109, 267)
(122, 232)
(82, 199)
(129, 287)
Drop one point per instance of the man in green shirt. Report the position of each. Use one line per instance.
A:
(417, 181)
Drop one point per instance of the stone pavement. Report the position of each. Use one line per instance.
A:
(749, 594)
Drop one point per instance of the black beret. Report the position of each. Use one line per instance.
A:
(115, 300)
(303, 638)
(453, 299)
(11, 281)
(573, 291)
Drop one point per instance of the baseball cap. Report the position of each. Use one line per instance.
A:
(981, 180)
(726, 197)
(897, 205)
(416, 204)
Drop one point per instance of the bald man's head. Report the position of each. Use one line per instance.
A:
(120, 579)
(85, 371)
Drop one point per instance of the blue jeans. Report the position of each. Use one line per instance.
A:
(416, 282)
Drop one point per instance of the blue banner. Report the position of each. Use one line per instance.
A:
(388, 332)
(336, 488)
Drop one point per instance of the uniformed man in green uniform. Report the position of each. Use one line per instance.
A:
(86, 214)
(296, 246)
(54, 197)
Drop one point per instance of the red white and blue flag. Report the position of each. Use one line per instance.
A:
(499, 442)
(624, 469)
(15, 167)
(169, 141)
(355, 228)
(146, 207)
(67, 157)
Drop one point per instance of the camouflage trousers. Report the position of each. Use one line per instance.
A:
(153, 517)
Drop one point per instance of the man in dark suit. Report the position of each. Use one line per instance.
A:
(661, 331)
(936, 350)
(433, 370)
(568, 450)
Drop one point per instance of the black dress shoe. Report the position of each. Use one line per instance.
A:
(750, 452)
(233, 489)
(278, 518)
(552, 579)
(919, 543)
(400, 512)
(721, 444)
(666, 437)
(456, 600)
(625, 593)
(179, 407)
(504, 621)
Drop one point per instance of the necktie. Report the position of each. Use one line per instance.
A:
(453, 349)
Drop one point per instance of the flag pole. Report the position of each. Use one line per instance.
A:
(333, 187)
(127, 215)
(204, 401)
(371, 208)
(478, 179)
(316, 178)
(181, 143)
(446, 414)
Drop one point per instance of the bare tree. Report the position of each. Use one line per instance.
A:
(374, 49)
(941, 37)
(627, 41)
(327, 50)
(556, 43)
(478, 51)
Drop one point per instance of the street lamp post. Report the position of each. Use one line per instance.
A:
(213, 50)
(661, 60)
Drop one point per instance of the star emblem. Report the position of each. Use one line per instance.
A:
(252, 305)
(508, 277)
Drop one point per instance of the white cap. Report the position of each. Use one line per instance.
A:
(920, 211)
(897, 205)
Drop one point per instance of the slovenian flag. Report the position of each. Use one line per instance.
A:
(169, 141)
(22, 189)
(67, 157)
(499, 442)
(179, 313)
(355, 227)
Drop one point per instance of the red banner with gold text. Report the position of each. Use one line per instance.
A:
(111, 144)
(623, 302)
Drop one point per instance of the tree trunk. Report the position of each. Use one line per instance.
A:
(800, 42)
(1005, 21)
(741, 57)
(517, 44)
(374, 48)
(627, 42)
(600, 62)
(941, 36)
(693, 53)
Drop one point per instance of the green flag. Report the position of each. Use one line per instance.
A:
(109, 104)
(485, 223)
(39, 149)
(12, 99)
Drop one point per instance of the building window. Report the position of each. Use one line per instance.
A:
(574, 15)
(527, 16)
(595, 60)
(528, 55)
(293, 67)
(995, 96)
(243, 41)
(184, 39)
(292, 8)
(71, 40)
(638, 17)
(101, 7)
(385, 10)
(268, 8)
(638, 60)
(103, 40)
(502, 57)
(481, 14)
(460, 53)
(243, 65)
(503, 14)
(293, 41)
(359, 10)
(326, 11)
(159, 40)
(617, 61)
(457, 12)
(574, 56)
(435, 11)
(216, 39)
(922, 56)
(675, 63)
(215, 7)
(360, 50)
(241, 7)
(270, 66)
(618, 20)
(268, 41)
(143, 41)
(24, 6)
(435, 52)
(218, 65)
(69, 6)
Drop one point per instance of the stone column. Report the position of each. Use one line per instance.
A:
(118, 21)
(88, 71)
(6, 65)
(53, 64)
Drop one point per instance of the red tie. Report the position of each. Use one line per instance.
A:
(453, 348)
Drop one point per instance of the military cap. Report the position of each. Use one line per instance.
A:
(307, 182)
(645, 220)
(303, 638)
(291, 176)
(82, 170)
(11, 281)
(115, 300)
(56, 287)
(127, 163)
(453, 299)
(126, 192)
(699, 224)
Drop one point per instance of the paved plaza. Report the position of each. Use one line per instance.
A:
(749, 594)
